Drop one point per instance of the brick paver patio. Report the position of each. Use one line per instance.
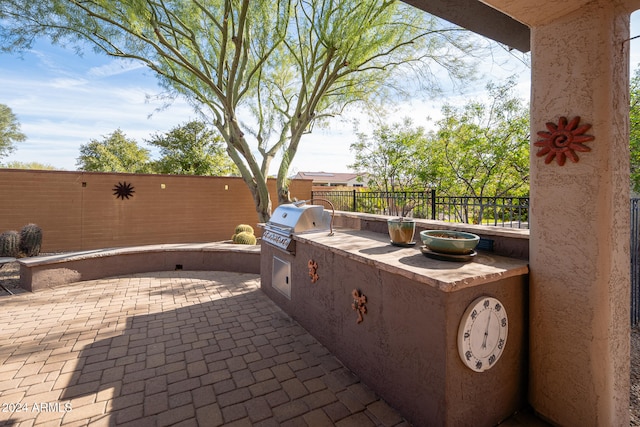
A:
(170, 348)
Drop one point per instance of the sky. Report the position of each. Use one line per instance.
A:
(63, 101)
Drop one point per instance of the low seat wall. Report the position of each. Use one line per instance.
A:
(43, 272)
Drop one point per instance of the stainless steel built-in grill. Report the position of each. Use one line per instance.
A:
(294, 218)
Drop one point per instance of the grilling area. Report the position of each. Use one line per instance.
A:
(389, 314)
(393, 315)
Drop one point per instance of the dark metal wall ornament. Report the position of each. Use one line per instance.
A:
(123, 190)
(359, 304)
(561, 141)
(313, 271)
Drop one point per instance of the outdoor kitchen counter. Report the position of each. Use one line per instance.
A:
(392, 316)
(376, 250)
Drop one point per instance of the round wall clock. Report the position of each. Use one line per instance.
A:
(482, 334)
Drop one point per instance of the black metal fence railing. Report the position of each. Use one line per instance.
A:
(497, 211)
(635, 262)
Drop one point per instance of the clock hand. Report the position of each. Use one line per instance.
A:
(486, 333)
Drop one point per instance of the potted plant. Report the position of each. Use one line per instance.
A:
(402, 229)
(449, 241)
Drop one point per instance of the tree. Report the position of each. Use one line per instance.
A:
(481, 149)
(634, 130)
(388, 157)
(192, 149)
(29, 165)
(345, 52)
(9, 131)
(115, 153)
(290, 63)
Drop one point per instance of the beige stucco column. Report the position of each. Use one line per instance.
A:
(579, 288)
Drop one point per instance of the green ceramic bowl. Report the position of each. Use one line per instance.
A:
(449, 241)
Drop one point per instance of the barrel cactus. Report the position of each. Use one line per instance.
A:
(244, 228)
(244, 238)
(30, 240)
(9, 244)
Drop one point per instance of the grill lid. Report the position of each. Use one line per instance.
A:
(296, 218)
(292, 218)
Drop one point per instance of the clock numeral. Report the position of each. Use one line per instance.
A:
(468, 355)
(503, 322)
(492, 359)
(479, 364)
(501, 343)
(467, 334)
(498, 307)
(486, 303)
(474, 314)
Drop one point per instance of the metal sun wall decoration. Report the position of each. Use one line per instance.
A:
(313, 271)
(359, 304)
(561, 141)
(123, 190)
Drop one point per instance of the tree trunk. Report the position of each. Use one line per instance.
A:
(282, 183)
(253, 176)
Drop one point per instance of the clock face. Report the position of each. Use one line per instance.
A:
(482, 334)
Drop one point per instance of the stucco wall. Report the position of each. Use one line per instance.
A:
(77, 210)
(579, 242)
(406, 347)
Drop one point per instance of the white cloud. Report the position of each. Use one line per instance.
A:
(67, 83)
(114, 68)
(60, 111)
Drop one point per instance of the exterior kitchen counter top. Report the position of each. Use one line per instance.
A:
(448, 276)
